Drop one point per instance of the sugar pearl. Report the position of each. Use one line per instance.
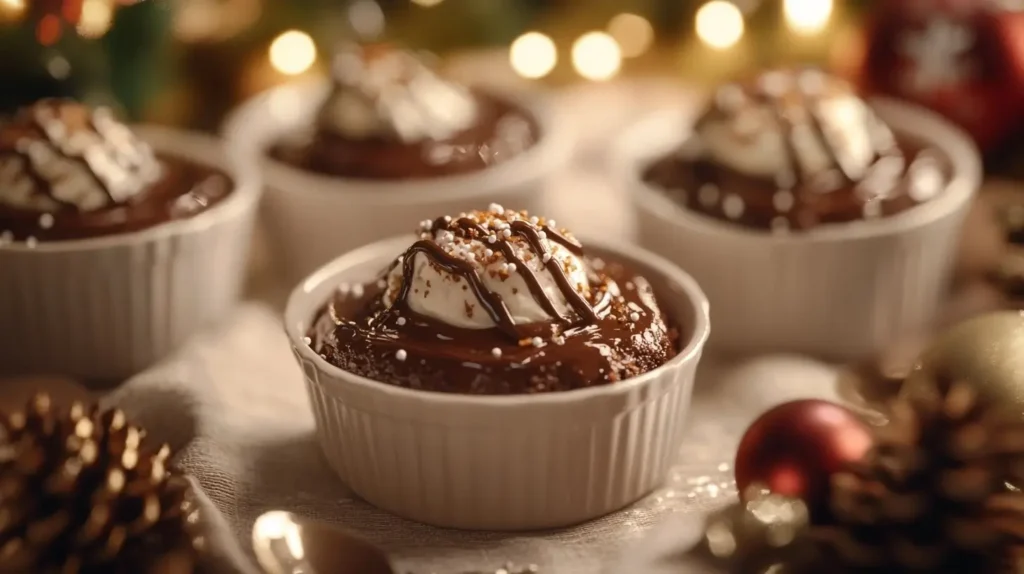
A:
(537, 341)
(357, 290)
(31, 242)
(708, 195)
(634, 316)
(401, 355)
(546, 257)
(496, 352)
(46, 221)
(542, 235)
(400, 321)
(492, 239)
(783, 201)
(495, 208)
(733, 206)
(307, 340)
(506, 233)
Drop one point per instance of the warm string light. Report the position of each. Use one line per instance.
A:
(293, 53)
(720, 24)
(807, 16)
(633, 33)
(96, 19)
(596, 56)
(11, 10)
(533, 55)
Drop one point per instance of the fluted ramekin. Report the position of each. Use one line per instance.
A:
(501, 462)
(839, 291)
(312, 217)
(109, 307)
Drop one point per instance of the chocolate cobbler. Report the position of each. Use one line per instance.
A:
(68, 171)
(791, 150)
(496, 302)
(389, 115)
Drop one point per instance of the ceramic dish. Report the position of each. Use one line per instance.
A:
(451, 460)
(839, 291)
(109, 307)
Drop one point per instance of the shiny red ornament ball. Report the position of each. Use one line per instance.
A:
(795, 448)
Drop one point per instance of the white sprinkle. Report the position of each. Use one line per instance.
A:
(488, 252)
(708, 195)
(780, 225)
(534, 220)
(401, 259)
(495, 208)
(492, 239)
(307, 340)
(733, 206)
(447, 219)
(31, 242)
(496, 352)
(400, 321)
(634, 316)
(357, 290)
(401, 355)
(597, 263)
(381, 283)
(512, 267)
(537, 341)
(873, 209)
(344, 288)
(46, 221)
(506, 233)
(551, 223)
(783, 201)
(542, 235)
(469, 255)
(559, 340)
(546, 257)
(630, 286)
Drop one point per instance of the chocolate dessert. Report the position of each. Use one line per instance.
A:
(495, 303)
(390, 116)
(68, 172)
(792, 150)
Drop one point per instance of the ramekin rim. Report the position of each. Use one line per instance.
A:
(299, 304)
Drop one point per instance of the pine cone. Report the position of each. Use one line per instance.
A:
(934, 495)
(82, 492)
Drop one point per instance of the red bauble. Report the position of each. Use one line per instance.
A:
(962, 58)
(795, 448)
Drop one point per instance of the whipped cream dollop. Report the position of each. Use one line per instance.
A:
(495, 268)
(384, 92)
(57, 154)
(792, 126)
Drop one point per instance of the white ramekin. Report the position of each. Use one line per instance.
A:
(312, 217)
(840, 291)
(500, 462)
(106, 308)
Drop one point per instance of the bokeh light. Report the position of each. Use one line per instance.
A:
(293, 52)
(807, 16)
(366, 18)
(596, 56)
(633, 33)
(533, 55)
(427, 3)
(720, 24)
(97, 17)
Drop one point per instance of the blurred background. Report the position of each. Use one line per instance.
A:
(189, 62)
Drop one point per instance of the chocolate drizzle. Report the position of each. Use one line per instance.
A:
(491, 301)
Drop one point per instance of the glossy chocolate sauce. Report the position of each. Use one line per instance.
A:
(901, 174)
(71, 172)
(615, 330)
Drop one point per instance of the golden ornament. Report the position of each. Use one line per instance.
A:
(986, 350)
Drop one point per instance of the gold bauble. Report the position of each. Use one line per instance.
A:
(986, 351)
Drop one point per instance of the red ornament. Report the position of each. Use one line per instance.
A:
(962, 58)
(795, 448)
